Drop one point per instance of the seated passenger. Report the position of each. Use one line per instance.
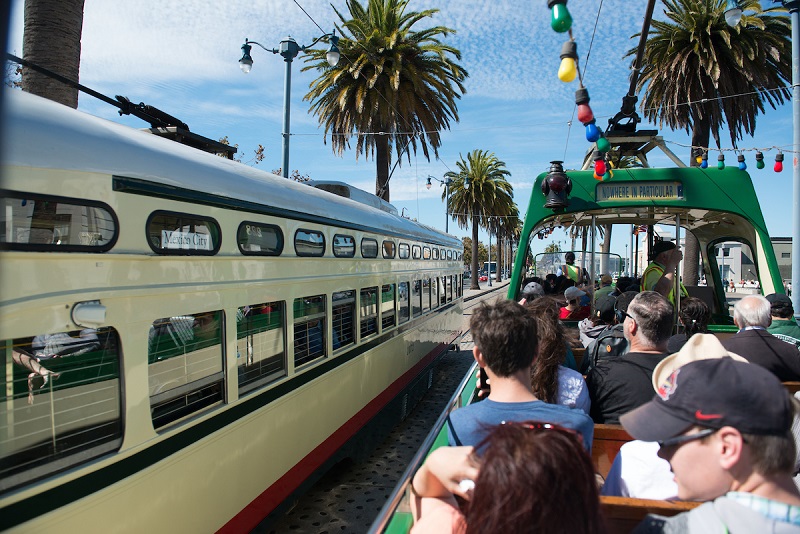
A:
(724, 428)
(605, 287)
(693, 316)
(531, 291)
(752, 315)
(618, 386)
(591, 327)
(610, 342)
(505, 345)
(532, 477)
(551, 381)
(573, 311)
(782, 313)
(637, 470)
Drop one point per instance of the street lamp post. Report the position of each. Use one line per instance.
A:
(489, 268)
(794, 12)
(288, 50)
(446, 183)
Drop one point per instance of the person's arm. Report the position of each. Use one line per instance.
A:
(443, 472)
(667, 280)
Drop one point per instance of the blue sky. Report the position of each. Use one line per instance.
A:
(182, 57)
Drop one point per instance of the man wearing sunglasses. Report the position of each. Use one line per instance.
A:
(619, 385)
(725, 428)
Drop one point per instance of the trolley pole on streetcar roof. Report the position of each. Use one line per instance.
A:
(288, 49)
(732, 16)
(446, 183)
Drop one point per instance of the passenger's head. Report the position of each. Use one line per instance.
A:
(604, 309)
(606, 280)
(573, 295)
(780, 306)
(622, 283)
(660, 250)
(505, 335)
(534, 477)
(569, 257)
(551, 351)
(752, 310)
(652, 315)
(532, 291)
(694, 315)
(718, 421)
(621, 305)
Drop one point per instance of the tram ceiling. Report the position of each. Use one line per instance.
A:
(692, 219)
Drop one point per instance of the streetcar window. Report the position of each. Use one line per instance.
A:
(185, 368)
(387, 306)
(449, 254)
(402, 302)
(443, 254)
(389, 249)
(435, 253)
(368, 300)
(62, 404)
(344, 313)
(435, 292)
(416, 298)
(344, 246)
(260, 344)
(182, 234)
(309, 329)
(426, 294)
(443, 294)
(309, 243)
(426, 253)
(416, 252)
(369, 248)
(259, 239)
(403, 252)
(34, 222)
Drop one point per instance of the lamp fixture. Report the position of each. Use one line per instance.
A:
(733, 13)
(560, 20)
(721, 161)
(568, 69)
(778, 162)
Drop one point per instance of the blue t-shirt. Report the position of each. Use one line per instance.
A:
(470, 423)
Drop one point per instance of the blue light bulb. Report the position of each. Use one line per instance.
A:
(704, 162)
(592, 132)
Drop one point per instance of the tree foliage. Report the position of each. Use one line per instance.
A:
(396, 85)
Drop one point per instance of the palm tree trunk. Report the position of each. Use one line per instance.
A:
(605, 249)
(382, 165)
(498, 276)
(691, 249)
(473, 284)
(52, 39)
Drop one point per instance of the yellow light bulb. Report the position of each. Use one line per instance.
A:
(568, 70)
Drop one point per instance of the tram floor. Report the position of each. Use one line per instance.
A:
(349, 497)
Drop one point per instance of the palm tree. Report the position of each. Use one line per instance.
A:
(699, 73)
(505, 228)
(479, 190)
(394, 87)
(52, 39)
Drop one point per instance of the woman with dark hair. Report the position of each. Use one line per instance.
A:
(551, 380)
(532, 477)
(694, 317)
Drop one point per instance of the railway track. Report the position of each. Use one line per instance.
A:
(349, 496)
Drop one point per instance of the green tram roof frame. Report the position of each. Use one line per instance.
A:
(715, 205)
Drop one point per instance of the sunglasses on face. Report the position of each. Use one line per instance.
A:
(620, 315)
(685, 438)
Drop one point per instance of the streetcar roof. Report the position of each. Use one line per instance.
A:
(40, 133)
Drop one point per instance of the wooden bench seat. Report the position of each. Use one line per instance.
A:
(605, 446)
(623, 513)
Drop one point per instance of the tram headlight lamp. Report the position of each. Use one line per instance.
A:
(556, 186)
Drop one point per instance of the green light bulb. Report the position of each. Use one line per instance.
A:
(561, 20)
(603, 145)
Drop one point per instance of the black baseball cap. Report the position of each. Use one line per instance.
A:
(779, 301)
(713, 393)
(662, 246)
(604, 308)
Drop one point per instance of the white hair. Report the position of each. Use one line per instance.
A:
(752, 310)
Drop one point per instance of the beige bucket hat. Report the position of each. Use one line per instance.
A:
(699, 347)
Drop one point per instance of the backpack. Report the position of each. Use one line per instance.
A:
(610, 344)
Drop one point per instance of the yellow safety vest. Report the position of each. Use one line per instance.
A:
(652, 275)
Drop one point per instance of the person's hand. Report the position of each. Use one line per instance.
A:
(456, 469)
(675, 258)
(483, 386)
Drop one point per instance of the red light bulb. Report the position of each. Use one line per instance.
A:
(599, 167)
(778, 162)
(585, 114)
